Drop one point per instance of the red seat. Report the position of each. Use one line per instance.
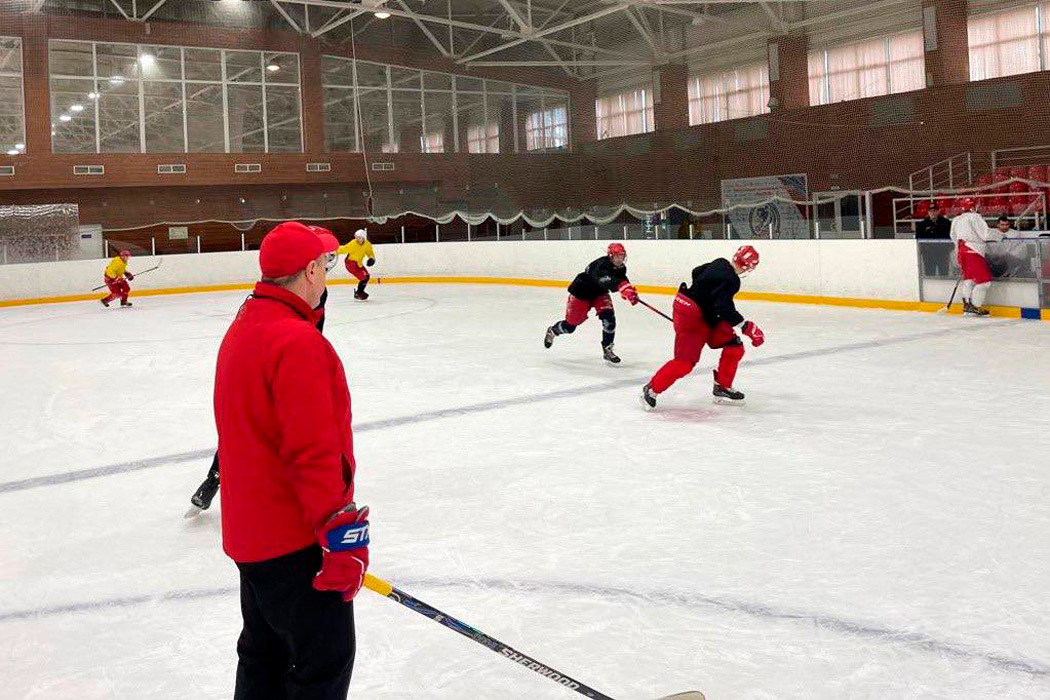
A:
(1018, 204)
(1001, 174)
(1019, 171)
(1038, 173)
(1019, 187)
(985, 179)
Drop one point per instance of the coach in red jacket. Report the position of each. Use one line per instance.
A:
(282, 410)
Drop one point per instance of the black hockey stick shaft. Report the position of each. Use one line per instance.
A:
(151, 269)
(398, 596)
(954, 290)
(655, 310)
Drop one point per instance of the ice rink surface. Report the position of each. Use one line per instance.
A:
(874, 523)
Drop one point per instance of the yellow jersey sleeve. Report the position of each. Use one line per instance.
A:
(344, 249)
(369, 250)
(116, 268)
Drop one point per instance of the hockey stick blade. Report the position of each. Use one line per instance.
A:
(193, 512)
(387, 590)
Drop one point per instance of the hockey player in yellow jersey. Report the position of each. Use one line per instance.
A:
(116, 278)
(359, 255)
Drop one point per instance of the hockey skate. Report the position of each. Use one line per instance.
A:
(361, 296)
(201, 500)
(648, 397)
(125, 304)
(548, 339)
(609, 355)
(727, 395)
(104, 303)
(969, 308)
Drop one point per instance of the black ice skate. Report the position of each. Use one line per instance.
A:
(609, 355)
(969, 308)
(727, 395)
(361, 296)
(104, 303)
(648, 398)
(202, 499)
(126, 303)
(548, 339)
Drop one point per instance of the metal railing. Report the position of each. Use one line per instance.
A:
(950, 173)
(1028, 155)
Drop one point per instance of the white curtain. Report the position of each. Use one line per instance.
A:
(434, 142)
(547, 129)
(869, 68)
(625, 113)
(907, 62)
(731, 94)
(482, 139)
(1005, 43)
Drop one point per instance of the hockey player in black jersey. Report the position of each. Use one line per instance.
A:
(590, 290)
(704, 314)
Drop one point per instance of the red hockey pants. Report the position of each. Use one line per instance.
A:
(691, 335)
(117, 288)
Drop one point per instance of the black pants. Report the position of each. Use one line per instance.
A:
(297, 643)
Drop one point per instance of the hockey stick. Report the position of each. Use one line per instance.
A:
(655, 310)
(151, 269)
(947, 307)
(398, 596)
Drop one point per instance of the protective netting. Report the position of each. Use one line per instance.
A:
(39, 233)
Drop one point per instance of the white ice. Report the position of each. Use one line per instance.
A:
(874, 523)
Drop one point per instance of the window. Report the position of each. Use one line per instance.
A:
(390, 109)
(730, 94)
(625, 113)
(546, 129)
(433, 142)
(870, 68)
(1009, 43)
(133, 98)
(483, 140)
(12, 113)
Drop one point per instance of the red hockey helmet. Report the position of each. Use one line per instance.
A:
(617, 249)
(746, 258)
(967, 203)
(125, 254)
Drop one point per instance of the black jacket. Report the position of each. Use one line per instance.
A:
(600, 277)
(939, 228)
(713, 288)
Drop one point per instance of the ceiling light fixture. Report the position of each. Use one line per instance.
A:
(92, 95)
(272, 67)
(116, 80)
(76, 108)
(20, 146)
(147, 60)
(13, 152)
(381, 14)
(65, 118)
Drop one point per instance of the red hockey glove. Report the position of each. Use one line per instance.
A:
(628, 292)
(754, 333)
(371, 262)
(344, 539)
(129, 276)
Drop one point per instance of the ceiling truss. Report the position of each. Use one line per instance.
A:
(560, 34)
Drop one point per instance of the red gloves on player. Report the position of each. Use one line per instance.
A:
(344, 539)
(129, 276)
(628, 292)
(754, 333)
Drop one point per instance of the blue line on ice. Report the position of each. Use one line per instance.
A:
(498, 404)
(915, 640)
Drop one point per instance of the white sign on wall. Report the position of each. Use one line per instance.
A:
(176, 233)
(785, 217)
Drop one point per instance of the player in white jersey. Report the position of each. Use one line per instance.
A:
(972, 235)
